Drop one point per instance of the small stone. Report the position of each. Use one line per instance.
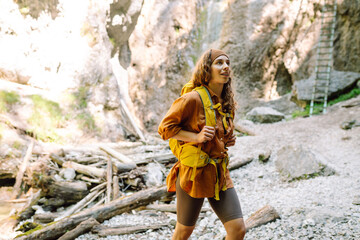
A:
(68, 173)
(356, 200)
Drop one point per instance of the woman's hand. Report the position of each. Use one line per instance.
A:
(206, 134)
(231, 141)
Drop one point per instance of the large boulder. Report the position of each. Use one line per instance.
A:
(340, 81)
(264, 115)
(283, 104)
(297, 162)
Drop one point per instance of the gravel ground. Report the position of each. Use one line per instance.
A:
(316, 208)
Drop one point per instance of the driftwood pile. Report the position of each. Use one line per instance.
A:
(81, 187)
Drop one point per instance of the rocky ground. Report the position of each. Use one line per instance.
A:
(323, 207)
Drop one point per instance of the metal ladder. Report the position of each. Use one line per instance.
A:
(324, 58)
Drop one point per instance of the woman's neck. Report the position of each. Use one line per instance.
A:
(216, 88)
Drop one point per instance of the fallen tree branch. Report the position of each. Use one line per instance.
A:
(77, 206)
(109, 180)
(121, 157)
(87, 170)
(116, 188)
(83, 227)
(20, 173)
(162, 158)
(45, 217)
(132, 121)
(104, 231)
(245, 130)
(262, 216)
(57, 159)
(100, 213)
(237, 163)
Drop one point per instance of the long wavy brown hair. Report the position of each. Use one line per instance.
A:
(202, 76)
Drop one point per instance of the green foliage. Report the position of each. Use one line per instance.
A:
(39, 227)
(81, 98)
(86, 121)
(318, 107)
(7, 98)
(16, 145)
(113, 42)
(46, 117)
(353, 93)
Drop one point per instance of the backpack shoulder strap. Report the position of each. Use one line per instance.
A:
(210, 114)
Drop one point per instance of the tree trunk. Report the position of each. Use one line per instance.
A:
(100, 213)
(69, 191)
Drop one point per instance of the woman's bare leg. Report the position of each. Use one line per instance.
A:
(235, 229)
(182, 232)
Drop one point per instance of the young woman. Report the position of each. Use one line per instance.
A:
(186, 122)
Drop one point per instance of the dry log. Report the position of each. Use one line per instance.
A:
(94, 197)
(126, 229)
(237, 163)
(109, 180)
(45, 217)
(132, 121)
(92, 180)
(20, 200)
(100, 163)
(123, 167)
(69, 191)
(98, 186)
(90, 159)
(81, 204)
(56, 159)
(245, 130)
(161, 158)
(262, 216)
(83, 227)
(116, 188)
(121, 157)
(53, 202)
(9, 223)
(99, 202)
(87, 170)
(100, 213)
(27, 211)
(20, 173)
(123, 144)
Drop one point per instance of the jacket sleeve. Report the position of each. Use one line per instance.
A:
(179, 112)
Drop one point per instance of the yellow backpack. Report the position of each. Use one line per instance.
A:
(193, 156)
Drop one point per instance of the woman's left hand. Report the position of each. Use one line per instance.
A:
(231, 141)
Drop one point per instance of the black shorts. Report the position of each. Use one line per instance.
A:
(188, 208)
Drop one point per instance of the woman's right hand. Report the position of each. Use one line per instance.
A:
(206, 134)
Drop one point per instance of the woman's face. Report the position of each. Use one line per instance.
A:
(220, 70)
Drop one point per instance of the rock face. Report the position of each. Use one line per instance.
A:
(264, 115)
(339, 82)
(68, 47)
(294, 162)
